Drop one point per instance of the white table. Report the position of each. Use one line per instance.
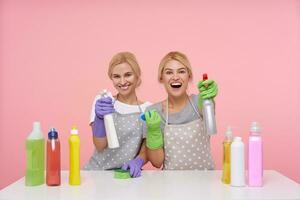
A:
(184, 185)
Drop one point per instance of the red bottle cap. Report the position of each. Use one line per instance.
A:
(205, 77)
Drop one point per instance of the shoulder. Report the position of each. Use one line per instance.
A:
(156, 106)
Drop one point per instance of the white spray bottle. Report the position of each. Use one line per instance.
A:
(111, 134)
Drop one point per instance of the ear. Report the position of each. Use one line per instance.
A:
(139, 82)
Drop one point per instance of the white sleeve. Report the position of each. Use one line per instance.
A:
(92, 115)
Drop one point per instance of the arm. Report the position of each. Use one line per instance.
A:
(156, 157)
(142, 154)
(154, 141)
(100, 143)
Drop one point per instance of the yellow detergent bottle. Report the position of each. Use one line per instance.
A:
(226, 156)
(74, 148)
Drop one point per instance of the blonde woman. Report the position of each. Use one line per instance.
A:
(125, 73)
(176, 135)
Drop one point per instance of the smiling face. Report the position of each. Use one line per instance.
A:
(124, 79)
(175, 78)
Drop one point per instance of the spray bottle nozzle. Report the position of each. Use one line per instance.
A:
(228, 132)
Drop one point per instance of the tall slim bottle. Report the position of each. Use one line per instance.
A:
(74, 148)
(209, 114)
(255, 162)
(237, 168)
(226, 156)
(35, 157)
(53, 159)
(111, 134)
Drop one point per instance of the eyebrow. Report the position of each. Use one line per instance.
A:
(176, 69)
(124, 73)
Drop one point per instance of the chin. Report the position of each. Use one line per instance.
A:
(125, 92)
(176, 93)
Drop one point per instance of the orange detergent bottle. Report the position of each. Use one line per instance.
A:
(53, 159)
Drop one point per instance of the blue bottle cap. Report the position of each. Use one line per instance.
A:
(143, 116)
(52, 134)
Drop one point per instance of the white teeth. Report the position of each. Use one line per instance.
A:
(124, 87)
(176, 85)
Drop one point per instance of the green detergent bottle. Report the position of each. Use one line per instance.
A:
(35, 157)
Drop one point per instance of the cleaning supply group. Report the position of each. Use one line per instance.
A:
(173, 134)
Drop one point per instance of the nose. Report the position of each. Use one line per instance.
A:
(175, 77)
(123, 80)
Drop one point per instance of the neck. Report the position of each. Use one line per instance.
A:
(130, 99)
(177, 103)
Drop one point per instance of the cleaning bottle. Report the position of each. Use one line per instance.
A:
(226, 156)
(74, 148)
(53, 159)
(111, 134)
(35, 157)
(209, 113)
(255, 162)
(237, 167)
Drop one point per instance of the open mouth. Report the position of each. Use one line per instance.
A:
(176, 85)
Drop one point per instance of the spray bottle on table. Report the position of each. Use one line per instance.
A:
(209, 113)
(237, 167)
(226, 156)
(35, 157)
(74, 148)
(255, 162)
(111, 134)
(53, 159)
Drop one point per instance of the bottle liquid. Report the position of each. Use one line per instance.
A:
(209, 114)
(111, 134)
(74, 148)
(35, 157)
(255, 162)
(237, 168)
(226, 156)
(53, 158)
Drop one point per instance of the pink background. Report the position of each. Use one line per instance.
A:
(54, 58)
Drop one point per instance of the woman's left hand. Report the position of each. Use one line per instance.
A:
(134, 166)
(208, 89)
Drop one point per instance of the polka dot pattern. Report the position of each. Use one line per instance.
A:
(187, 147)
(130, 135)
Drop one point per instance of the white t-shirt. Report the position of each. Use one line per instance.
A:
(120, 107)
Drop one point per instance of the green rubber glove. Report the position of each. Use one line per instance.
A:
(208, 89)
(154, 139)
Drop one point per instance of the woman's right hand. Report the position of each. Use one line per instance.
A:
(154, 139)
(103, 107)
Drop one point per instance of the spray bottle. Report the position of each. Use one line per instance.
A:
(74, 147)
(255, 162)
(35, 157)
(53, 158)
(237, 167)
(111, 134)
(209, 113)
(226, 156)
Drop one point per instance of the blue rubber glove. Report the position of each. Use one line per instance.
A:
(103, 107)
(135, 167)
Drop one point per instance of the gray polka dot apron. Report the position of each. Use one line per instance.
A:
(129, 129)
(187, 146)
